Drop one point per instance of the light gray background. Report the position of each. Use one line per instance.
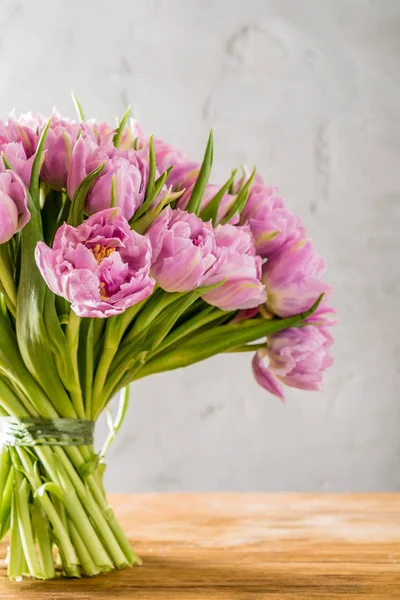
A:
(309, 90)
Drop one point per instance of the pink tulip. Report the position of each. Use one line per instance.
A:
(184, 170)
(292, 278)
(184, 250)
(271, 223)
(14, 213)
(24, 129)
(15, 156)
(87, 155)
(238, 264)
(296, 357)
(101, 267)
(130, 173)
(59, 143)
(102, 133)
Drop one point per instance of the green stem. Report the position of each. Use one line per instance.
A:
(115, 426)
(98, 494)
(72, 332)
(6, 275)
(5, 466)
(72, 483)
(157, 302)
(85, 559)
(115, 330)
(21, 491)
(61, 533)
(16, 555)
(42, 532)
(6, 504)
(70, 570)
(10, 306)
(88, 367)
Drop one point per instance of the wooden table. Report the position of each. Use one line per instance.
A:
(246, 547)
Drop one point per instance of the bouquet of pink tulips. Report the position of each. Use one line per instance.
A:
(118, 259)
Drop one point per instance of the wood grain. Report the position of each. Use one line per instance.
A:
(246, 547)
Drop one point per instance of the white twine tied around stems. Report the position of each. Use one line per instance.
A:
(45, 432)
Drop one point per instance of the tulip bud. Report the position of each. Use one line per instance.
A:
(296, 357)
(238, 264)
(292, 278)
(184, 250)
(14, 213)
(271, 223)
(130, 174)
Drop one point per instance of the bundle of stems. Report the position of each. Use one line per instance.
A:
(55, 365)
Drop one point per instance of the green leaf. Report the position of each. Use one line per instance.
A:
(113, 194)
(51, 212)
(121, 127)
(142, 224)
(242, 180)
(167, 319)
(211, 210)
(158, 185)
(31, 331)
(152, 169)
(5, 161)
(241, 199)
(199, 187)
(199, 320)
(205, 344)
(75, 216)
(150, 337)
(153, 306)
(34, 186)
(246, 348)
(78, 107)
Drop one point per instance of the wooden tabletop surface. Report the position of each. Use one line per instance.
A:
(245, 547)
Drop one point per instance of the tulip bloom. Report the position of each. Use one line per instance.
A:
(296, 357)
(130, 174)
(14, 213)
(24, 129)
(15, 155)
(59, 143)
(292, 279)
(101, 267)
(87, 155)
(102, 133)
(238, 264)
(184, 250)
(184, 172)
(271, 223)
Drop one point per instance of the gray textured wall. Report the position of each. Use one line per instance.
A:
(309, 90)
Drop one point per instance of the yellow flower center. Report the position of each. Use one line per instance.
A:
(101, 252)
(103, 294)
